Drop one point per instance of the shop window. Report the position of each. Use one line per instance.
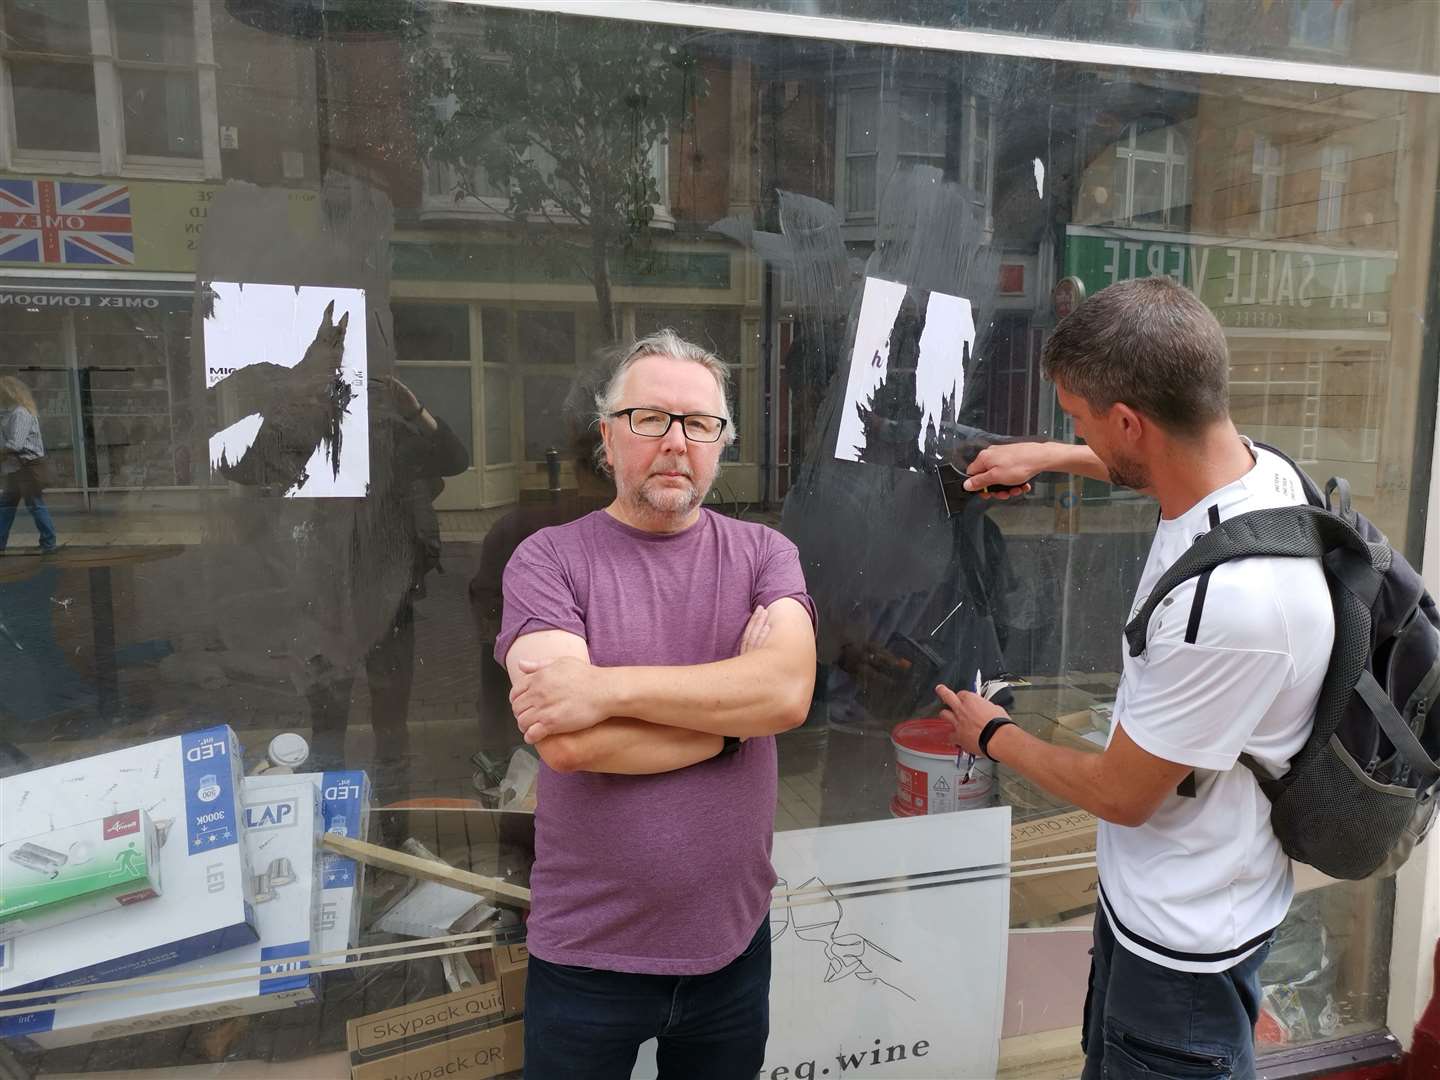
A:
(111, 87)
(1334, 176)
(1267, 165)
(1151, 176)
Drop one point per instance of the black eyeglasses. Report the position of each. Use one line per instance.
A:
(655, 423)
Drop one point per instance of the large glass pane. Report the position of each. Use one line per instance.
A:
(47, 26)
(162, 116)
(878, 242)
(54, 106)
(439, 333)
(445, 391)
(159, 31)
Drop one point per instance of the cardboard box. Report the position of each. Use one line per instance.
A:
(282, 836)
(189, 785)
(1048, 893)
(66, 874)
(512, 966)
(456, 1034)
(345, 811)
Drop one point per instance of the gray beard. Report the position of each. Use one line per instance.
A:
(664, 504)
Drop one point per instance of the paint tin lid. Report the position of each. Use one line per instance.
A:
(288, 750)
(926, 735)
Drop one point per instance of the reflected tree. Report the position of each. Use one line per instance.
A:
(554, 123)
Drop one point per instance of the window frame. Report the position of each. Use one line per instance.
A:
(1268, 175)
(888, 154)
(110, 157)
(1334, 179)
(1171, 158)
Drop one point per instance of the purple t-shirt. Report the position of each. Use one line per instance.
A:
(667, 874)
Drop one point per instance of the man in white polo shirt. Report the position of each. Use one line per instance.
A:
(1192, 879)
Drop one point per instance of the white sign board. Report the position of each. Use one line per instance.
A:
(889, 942)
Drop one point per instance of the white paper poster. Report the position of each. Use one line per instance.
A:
(907, 374)
(291, 362)
(889, 946)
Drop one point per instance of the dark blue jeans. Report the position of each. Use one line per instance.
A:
(584, 1024)
(17, 486)
(1144, 1020)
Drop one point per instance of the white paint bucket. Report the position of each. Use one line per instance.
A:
(927, 780)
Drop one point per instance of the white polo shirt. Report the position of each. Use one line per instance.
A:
(1233, 665)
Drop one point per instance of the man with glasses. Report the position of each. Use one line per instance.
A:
(655, 649)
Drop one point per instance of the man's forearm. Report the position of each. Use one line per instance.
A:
(746, 696)
(629, 746)
(1075, 776)
(1076, 459)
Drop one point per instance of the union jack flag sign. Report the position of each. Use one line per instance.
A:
(60, 222)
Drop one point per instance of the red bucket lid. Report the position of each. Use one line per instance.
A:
(925, 735)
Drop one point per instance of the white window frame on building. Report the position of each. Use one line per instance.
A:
(1267, 165)
(1334, 176)
(111, 158)
(1175, 158)
(883, 145)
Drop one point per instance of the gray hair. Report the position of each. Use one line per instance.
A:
(1150, 343)
(666, 343)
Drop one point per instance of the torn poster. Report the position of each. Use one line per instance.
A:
(285, 366)
(907, 375)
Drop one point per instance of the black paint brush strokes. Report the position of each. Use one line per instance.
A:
(301, 407)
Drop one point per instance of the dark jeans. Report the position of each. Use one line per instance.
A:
(17, 486)
(1144, 1020)
(583, 1024)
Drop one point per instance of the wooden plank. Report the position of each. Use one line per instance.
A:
(401, 863)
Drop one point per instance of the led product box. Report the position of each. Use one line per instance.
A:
(188, 786)
(65, 874)
(282, 837)
(345, 810)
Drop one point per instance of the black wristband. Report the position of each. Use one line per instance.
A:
(989, 730)
(729, 746)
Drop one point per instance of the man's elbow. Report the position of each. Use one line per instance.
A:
(795, 704)
(1129, 813)
(563, 753)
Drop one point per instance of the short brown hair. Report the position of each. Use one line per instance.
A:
(1151, 344)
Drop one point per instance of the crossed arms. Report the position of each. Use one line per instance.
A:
(584, 718)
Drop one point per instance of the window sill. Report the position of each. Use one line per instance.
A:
(1327, 1058)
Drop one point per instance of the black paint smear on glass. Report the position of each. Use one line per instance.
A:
(301, 407)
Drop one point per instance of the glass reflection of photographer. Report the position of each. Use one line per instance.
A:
(423, 450)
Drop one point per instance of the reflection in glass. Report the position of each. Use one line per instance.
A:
(162, 117)
(47, 26)
(54, 106)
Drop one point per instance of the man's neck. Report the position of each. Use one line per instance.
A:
(1191, 469)
(652, 521)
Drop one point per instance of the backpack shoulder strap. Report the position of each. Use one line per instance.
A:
(1285, 531)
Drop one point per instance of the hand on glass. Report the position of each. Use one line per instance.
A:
(1005, 465)
(967, 715)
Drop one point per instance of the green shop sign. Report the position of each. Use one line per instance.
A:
(1249, 284)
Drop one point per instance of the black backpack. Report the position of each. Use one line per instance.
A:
(1362, 792)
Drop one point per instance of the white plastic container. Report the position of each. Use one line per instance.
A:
(927, 778)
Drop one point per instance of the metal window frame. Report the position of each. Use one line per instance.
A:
(937, 39)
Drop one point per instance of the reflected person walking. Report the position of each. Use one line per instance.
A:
(23, 465)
